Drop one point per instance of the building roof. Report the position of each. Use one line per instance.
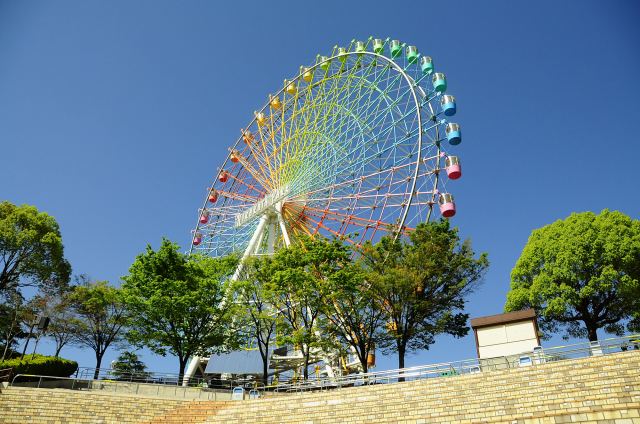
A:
(239, 362)
(523, 315)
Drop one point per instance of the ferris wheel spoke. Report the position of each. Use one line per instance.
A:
(238, 180)
(381, 175)
(256, 174)
(251, 159)
(346, 218)
(320, 225)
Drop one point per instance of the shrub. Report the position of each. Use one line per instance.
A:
(41, 365)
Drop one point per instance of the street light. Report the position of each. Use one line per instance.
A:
(42, 323)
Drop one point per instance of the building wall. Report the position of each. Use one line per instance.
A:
(506, 339)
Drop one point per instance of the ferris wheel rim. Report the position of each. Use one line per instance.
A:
(417, 94)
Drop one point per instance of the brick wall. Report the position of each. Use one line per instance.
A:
(27, 405)
(602, 390)
(597, 390)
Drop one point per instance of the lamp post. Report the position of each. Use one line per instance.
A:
(42, 322)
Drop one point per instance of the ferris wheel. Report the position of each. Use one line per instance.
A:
(352, 146)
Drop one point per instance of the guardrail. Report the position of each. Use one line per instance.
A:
(538, 356)
(5, 374)
(31, 378)
(167, 379)
(87, 373)
(166, 384)
(122, 387)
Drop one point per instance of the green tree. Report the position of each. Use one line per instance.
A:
(31, 251)
(298, 290)
(100, 318)
(353, 313)
(581, 274)
(257, 315)
(63, 320)
(128, 366)
(421, 284)
(12, 316)
(177, 302)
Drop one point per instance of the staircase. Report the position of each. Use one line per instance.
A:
(192, 412)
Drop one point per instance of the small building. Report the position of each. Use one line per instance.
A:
(506, 335)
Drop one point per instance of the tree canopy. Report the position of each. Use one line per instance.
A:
(176, 302)
(31, 250)
(128, 366)
(13, 314)
(299, 290)
(353, 313)
(100, 317)
(257, 316)
(421, 284)
(59, 307)
(581, 274)
(397, 294)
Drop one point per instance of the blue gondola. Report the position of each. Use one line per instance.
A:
(454, 135)
(448, 104)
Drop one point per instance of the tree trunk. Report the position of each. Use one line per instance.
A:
(96, 373)
(264, 354)
(363, 362)
(265, 369)
(6, 349)
(401, 352)
(305, 372)
(592, 331)
(58, 349)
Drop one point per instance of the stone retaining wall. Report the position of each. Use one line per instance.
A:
(596, 390)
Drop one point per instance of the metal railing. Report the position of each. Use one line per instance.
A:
(121, 387)
(5, 374)
(167, 379)
(145, 383)
(31, 379)
(88, 373)
(536, 357)
(166, 384)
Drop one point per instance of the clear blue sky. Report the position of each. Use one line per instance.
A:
(114, 115)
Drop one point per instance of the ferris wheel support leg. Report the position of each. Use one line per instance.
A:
(328, 368)
(255, 239)
(271, 240)
(283, 227)
(194, 363)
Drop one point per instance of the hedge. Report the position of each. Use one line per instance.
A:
(41, 365)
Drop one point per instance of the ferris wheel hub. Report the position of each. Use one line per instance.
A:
(271, 201)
